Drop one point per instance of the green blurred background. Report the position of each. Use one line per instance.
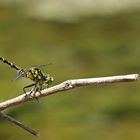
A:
(81, 39)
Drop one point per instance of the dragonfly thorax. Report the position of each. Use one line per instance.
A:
(35, 75)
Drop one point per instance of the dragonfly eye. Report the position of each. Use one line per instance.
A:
(49, 79)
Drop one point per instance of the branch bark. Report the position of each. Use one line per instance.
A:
(66, 85)
(14, 121)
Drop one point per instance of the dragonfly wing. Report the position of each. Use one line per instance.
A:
(42, 65)
(19, 75)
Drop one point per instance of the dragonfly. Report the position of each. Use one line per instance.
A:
(40, 80)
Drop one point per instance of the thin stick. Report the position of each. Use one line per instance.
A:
(69, 84)
(12, 120)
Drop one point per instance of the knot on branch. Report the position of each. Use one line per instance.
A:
(68, 84)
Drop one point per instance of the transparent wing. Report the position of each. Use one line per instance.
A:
(42, 65)
(20, 74)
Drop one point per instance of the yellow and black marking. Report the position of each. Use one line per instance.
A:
(35, 74)
(10, 63)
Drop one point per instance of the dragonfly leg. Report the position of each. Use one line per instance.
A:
(35, 89)
(28, 87)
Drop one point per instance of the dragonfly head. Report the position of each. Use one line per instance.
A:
(49, 80)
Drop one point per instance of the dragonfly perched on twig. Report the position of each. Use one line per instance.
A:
(34, 73)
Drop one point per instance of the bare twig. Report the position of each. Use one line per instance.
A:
(12, 120)
(68, 85)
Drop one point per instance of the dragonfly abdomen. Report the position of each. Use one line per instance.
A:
(10, 63)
